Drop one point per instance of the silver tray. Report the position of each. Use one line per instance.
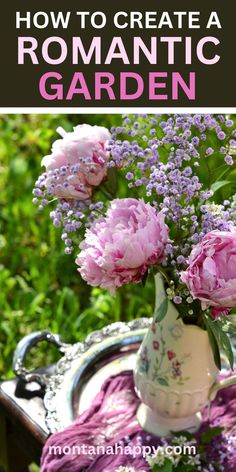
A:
(80, 373)
(74, 381)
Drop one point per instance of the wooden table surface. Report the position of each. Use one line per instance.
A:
(23, 431)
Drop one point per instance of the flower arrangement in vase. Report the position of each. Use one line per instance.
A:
(144, 198)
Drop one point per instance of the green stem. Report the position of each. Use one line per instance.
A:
(225, 172)
(106, 193)
(163, 349)
(164, 273)
(209, 174)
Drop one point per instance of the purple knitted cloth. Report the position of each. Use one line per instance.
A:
(111, 421)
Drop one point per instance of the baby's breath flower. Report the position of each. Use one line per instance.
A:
(194, 460)
(158, 459)
(180, 440)
(126, 469)
(170, 293)
(189, 300)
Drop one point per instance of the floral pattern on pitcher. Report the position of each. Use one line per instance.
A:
(173, 370)
(176, 331)
(144, 361)
(167, 366)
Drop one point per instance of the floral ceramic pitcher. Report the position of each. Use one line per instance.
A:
(175, 374)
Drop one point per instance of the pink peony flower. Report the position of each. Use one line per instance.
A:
(211, 274)
(119, 248)
(217, 312)
(78, 162)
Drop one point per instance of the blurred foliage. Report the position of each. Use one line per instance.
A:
(39, 285)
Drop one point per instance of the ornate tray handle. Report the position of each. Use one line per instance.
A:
(24, 346)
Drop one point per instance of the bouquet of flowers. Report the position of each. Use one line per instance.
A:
(152, 195)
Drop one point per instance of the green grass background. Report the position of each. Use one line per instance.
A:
(39, 285)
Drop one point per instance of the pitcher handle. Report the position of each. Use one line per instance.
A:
(25, 345)
(219, 384)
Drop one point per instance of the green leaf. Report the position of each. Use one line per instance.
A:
(111, 182)
(217, 185)
(161, 311)
(229, 328)
(162, 381)
(210, 434)
(144, 278)
(166, 467)
(214, 343)
(155, 468)
(185, 468)
(221, 339)
(227, 348)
